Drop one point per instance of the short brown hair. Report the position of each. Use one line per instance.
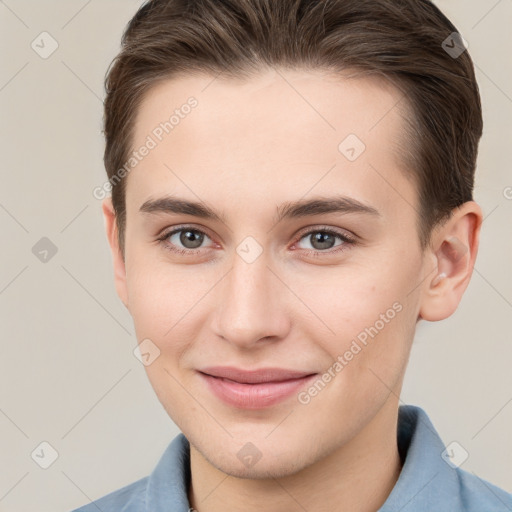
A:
(400, 40)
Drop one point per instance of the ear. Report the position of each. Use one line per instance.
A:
(453, 250)
(109, 217)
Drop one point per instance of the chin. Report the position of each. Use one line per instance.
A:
(270, 461)
(262, 470)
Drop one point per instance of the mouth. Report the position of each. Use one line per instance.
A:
(254, 389)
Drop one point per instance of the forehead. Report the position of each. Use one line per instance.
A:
(312, 99)
(280, 127)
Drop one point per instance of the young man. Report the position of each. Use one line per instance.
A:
(291, 193)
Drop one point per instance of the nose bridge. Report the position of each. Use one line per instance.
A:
(250, 303)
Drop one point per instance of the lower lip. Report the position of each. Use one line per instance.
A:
(254, 396)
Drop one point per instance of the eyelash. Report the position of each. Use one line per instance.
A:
(347, 241)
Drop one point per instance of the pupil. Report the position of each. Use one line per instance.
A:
(191, 239)
(325, 240)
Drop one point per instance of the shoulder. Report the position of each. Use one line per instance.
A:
(164, 489)
(129, 498)
(478, 494)
(431, 479)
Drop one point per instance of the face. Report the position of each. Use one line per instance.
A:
(305, 256)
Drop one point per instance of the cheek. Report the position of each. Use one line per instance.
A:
(365, 318)
(347, 302)
(161, 304)
(370, 333)
(161, 295)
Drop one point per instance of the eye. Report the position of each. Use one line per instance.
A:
(187, 240)
(184, 240)
(323, 239)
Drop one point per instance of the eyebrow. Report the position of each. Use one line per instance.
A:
(289, 210)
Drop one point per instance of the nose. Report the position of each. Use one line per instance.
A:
(252, 304)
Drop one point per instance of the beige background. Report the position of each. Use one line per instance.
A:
(67, 372)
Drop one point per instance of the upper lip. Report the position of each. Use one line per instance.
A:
(254, 376)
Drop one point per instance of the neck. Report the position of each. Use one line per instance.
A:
(357, 477)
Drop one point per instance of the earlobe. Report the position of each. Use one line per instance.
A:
(454, 247)
(109, 218)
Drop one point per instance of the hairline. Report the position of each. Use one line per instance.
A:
(405, 158)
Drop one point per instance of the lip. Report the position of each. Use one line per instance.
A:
(254, 389)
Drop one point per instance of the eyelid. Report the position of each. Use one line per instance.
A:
(345, 235)
(183, 227)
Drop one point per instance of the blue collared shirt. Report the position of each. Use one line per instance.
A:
(430, 479)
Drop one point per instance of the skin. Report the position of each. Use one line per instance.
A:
(248, 147)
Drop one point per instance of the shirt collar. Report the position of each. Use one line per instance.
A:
(168, 484)
(425, 480)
